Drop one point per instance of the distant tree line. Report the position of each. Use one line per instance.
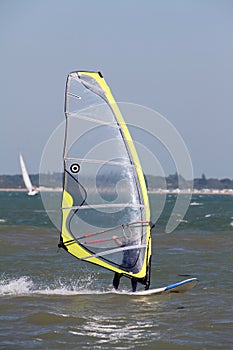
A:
(16, 181)
(176, 181)
(153, 182)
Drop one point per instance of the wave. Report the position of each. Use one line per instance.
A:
(16, 286)
(24, 286)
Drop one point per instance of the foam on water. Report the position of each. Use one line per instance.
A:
(195, 203)
(25, 286)
(17, 286)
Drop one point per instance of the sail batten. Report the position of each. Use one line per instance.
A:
(96, 206)
(116, 250)
(79, 116)
(104, 187)
(100, 161)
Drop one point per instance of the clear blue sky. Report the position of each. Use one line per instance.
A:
(173, 56)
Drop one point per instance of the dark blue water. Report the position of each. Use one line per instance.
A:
(50, 300)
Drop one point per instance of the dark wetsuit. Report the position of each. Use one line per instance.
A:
(116, 281)
(128, 261)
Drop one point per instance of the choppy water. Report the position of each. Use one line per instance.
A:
(50, 300)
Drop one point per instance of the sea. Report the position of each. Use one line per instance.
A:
(51, 300)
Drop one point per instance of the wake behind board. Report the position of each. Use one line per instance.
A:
(178, 287)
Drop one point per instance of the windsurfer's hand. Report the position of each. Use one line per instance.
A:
(116, 239)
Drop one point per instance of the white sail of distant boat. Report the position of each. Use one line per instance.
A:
(32, 191)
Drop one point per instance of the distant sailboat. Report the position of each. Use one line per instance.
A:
(31, 190)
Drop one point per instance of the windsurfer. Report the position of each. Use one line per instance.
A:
(128, 261)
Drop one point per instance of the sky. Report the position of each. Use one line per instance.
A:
(173, 56)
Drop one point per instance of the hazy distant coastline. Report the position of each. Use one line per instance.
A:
(172, 184)
(155, 191)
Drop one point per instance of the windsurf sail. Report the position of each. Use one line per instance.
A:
(31, 190)
(105, 206)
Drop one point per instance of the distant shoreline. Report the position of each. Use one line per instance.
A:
(154, 191)
(194, 191)
(25, 190)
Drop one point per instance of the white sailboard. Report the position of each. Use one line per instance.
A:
(178, 287)
(32, 191)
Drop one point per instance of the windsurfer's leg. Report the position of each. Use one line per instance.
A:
(116, 280)
(134, 283)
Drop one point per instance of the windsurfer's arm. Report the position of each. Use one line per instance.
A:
(116, 239)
